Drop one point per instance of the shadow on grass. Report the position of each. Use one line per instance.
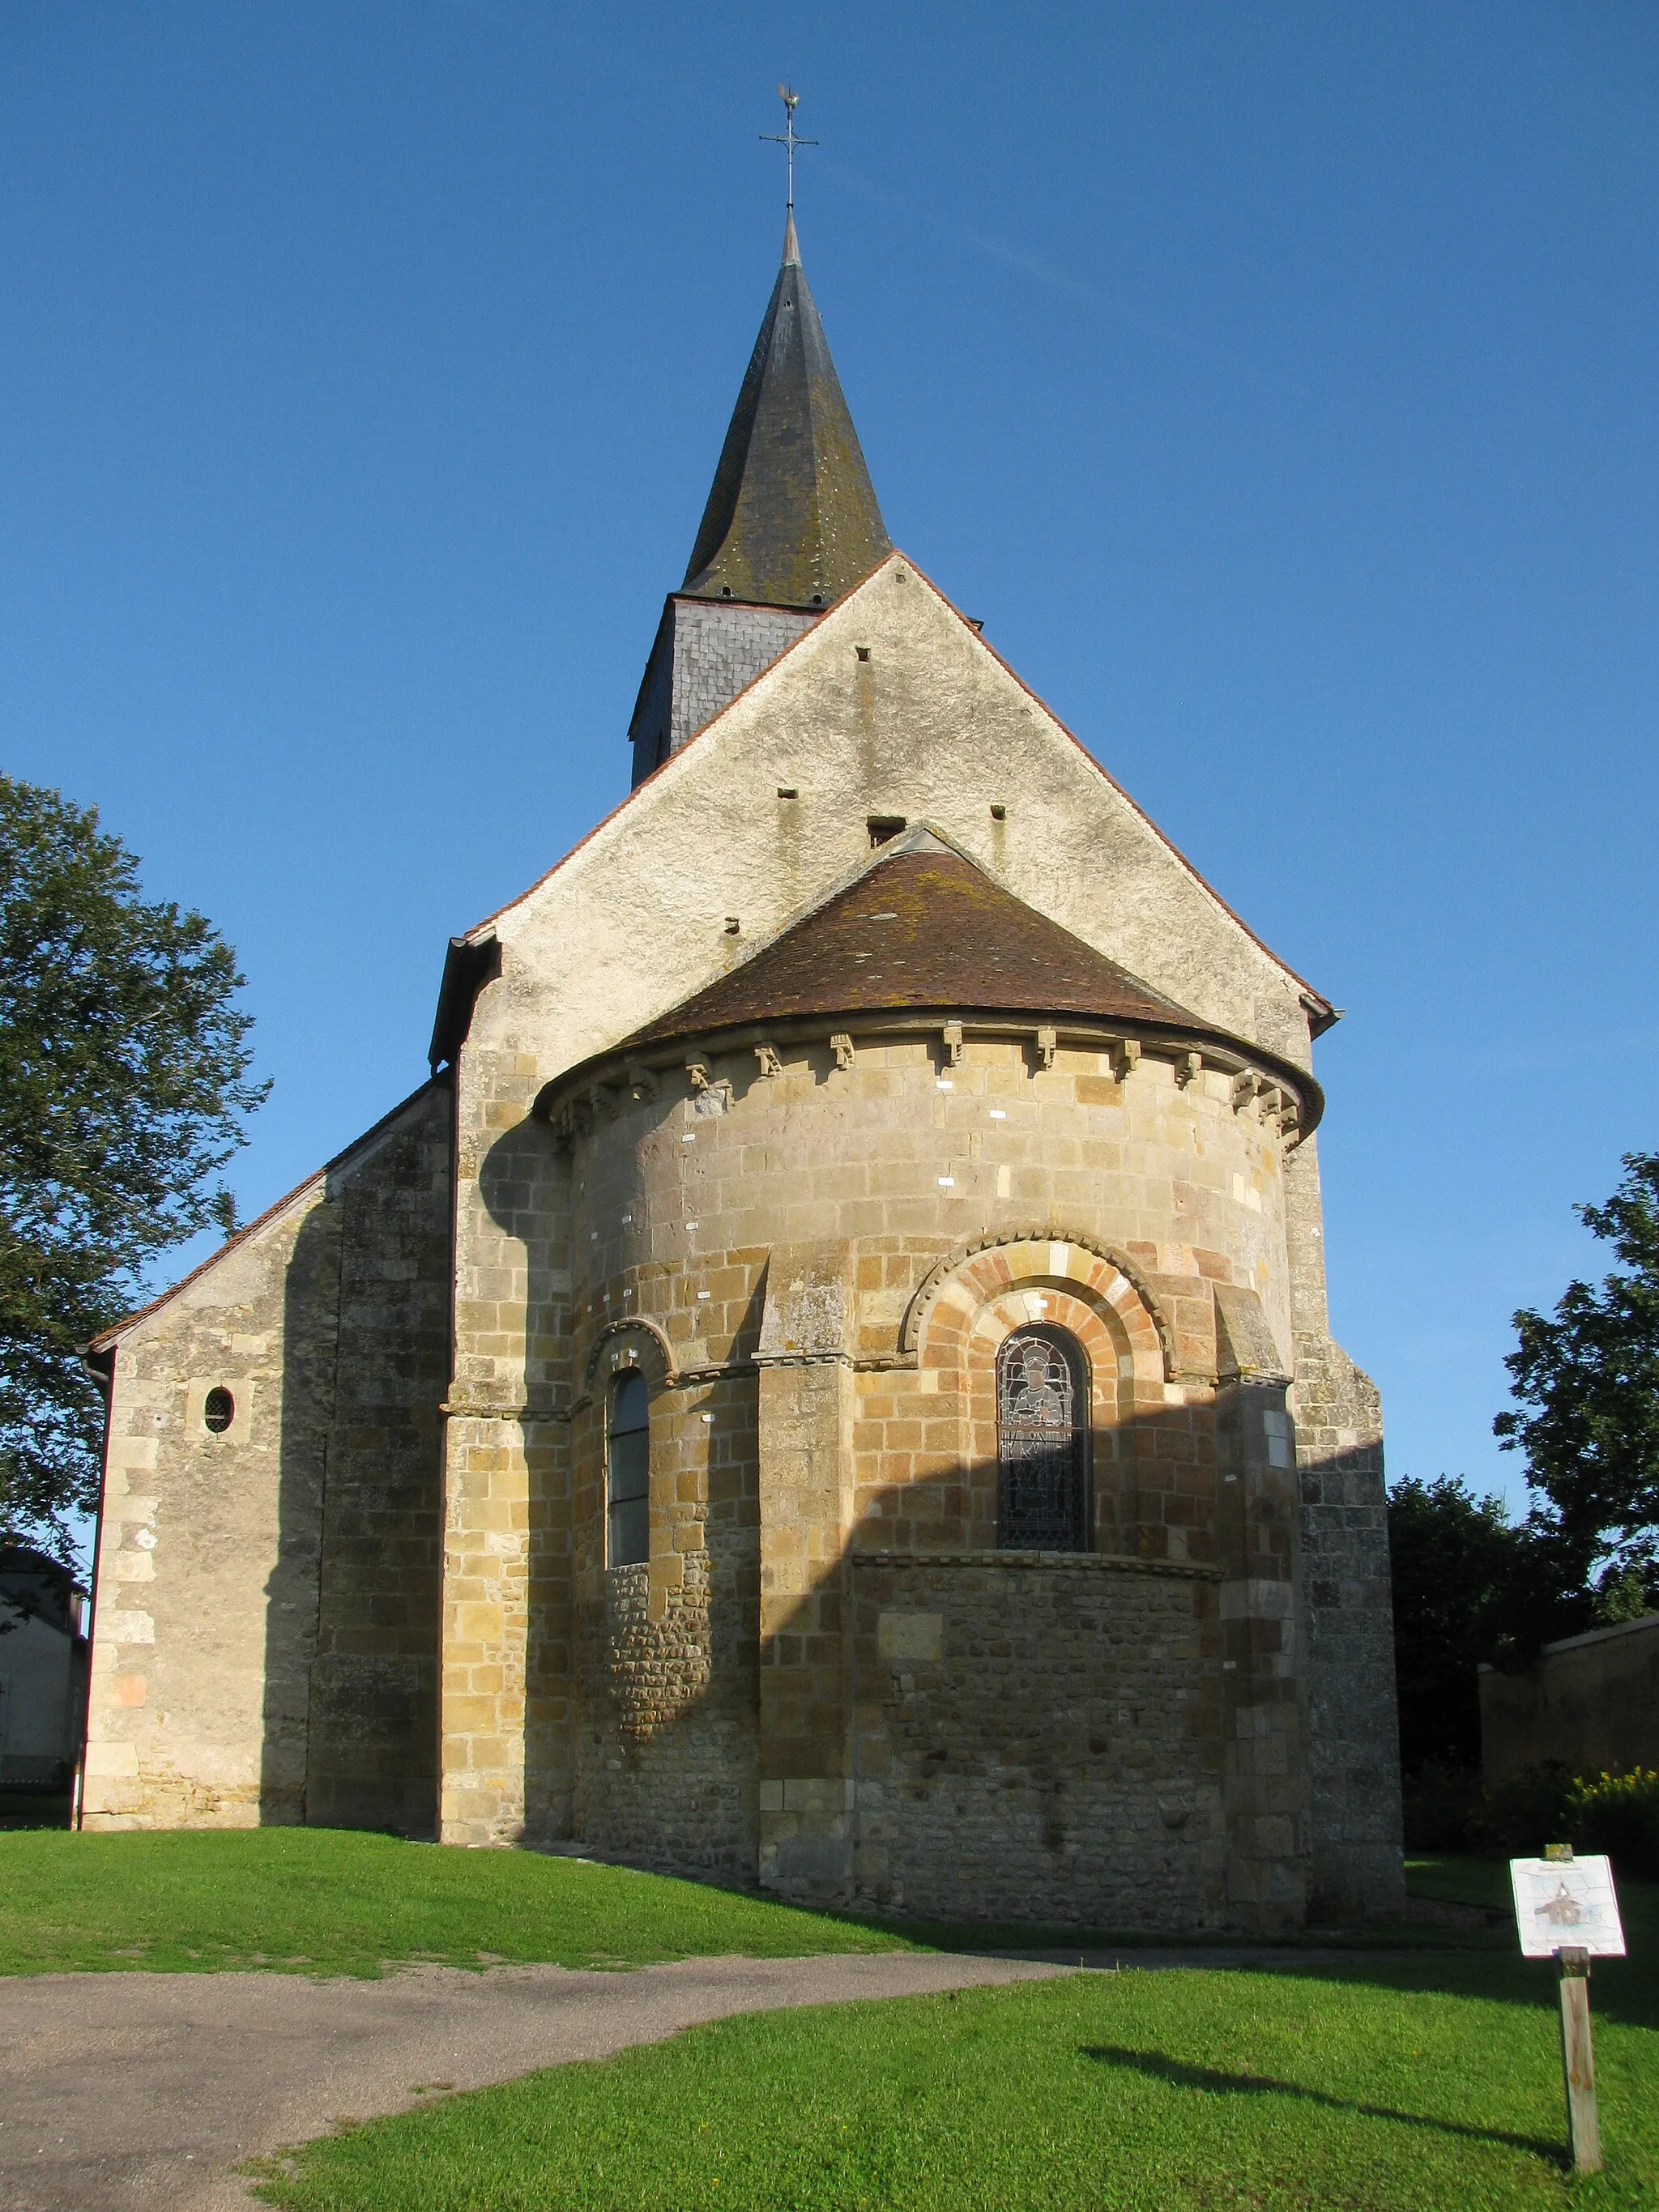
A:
(1031, 1936)
(1182, 2076)
(30, 1808)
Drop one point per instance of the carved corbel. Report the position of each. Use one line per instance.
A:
(1246, 1084)
(642, 1082)
(1126, 1058)
(841, 1045)
(1269, 1100)
(709, 1094)
(953, 1045)
(768, 1056)
(1189, 1066)
(1048, 1044)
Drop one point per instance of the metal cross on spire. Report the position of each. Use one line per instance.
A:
(787, 137)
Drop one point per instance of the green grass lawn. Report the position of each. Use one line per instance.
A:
(331, 1901)
(1431, 2084)
(336, 1901)
(1426, 2086)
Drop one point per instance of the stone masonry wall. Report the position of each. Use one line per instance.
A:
(666, 1648)
(1038, 1740)
(1590, 1702)
(248, 1619)
(890, 705)
(372, 1757)
(1355, 1866)
(793, 1223)
(1351, 1724)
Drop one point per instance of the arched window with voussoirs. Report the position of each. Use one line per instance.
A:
(1042, 1443)
(628, 1472)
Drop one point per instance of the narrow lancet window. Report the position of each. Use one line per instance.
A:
(1042, 1443)
(628, 1472)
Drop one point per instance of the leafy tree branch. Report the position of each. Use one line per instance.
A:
(123, 1092)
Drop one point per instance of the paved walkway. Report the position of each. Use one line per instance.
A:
(120, 2093)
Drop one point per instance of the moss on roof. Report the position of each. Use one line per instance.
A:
(926, 928)
(792, 520)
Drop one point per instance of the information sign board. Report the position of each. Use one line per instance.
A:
(1566, 1904)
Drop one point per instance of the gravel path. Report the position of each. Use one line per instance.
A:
(119, 2093)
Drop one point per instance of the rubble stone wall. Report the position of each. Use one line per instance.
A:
(1038, 1739)
(266, 1622)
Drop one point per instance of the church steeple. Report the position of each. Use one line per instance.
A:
(792, 523)
(792, 520)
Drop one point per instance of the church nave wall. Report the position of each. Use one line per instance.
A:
(265, 1638)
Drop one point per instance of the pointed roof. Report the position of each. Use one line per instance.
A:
(922, 927)
(792, 520)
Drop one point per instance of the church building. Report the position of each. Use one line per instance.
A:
(828, 1383)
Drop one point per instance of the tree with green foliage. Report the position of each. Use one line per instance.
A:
(1586, 1381)
(123, 1092)
(1464, 1581)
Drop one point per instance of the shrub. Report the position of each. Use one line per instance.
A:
(1618, 1815)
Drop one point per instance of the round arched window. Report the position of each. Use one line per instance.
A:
(218, 1410)
(1042, 1443)
(628, 1472)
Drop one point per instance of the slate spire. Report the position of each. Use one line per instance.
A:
(792, 520)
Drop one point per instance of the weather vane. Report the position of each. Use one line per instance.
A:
(787, 137)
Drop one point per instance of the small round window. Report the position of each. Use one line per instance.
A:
(218, 1411)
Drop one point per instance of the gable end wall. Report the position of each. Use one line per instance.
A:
(265, 1642)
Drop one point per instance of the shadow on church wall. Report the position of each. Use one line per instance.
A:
(982, 1735)
(1042, 1739)
(352, 1599)
(995, 1735)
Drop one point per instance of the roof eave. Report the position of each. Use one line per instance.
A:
(470, 962)
(660, 1052)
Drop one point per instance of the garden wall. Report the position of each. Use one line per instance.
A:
(1590, 1702)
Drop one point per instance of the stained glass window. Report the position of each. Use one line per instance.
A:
(1042, 1443)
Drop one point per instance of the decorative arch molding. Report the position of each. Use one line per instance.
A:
(630, 1324)
(928, 1290)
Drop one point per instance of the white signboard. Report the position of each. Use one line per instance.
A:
(1566, 1904)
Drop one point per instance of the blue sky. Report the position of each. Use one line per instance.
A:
(1276, 381)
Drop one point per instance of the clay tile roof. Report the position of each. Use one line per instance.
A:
(924, 928)
(792, 520)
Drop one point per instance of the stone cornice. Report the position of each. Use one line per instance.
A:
(597, 1088)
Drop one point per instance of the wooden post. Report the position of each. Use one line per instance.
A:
(1583, 2130)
